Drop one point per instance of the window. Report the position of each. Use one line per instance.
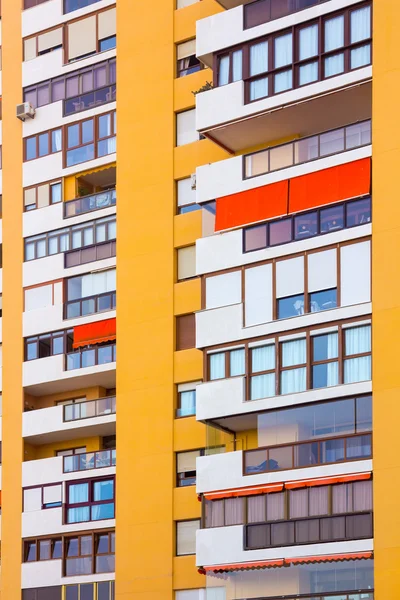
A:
(186, 401)
(41, 296)
(306, 225)
(31, 3)
(302, 55)
(93, 253)
(307, 362)
(186, 537)
(186, 332)
(291, 306)
(91, 500)
(187, 61)
(186, 262)
(44, 593)
(80, 90)
(42, 497)
(42, 195)
(43, 144)
(71, 5)
(48, 344)
(183, 3)
(97, 354)
(263, 11)
(186, 467)
(71, 451)
(91, 293)
(186, 196)
(103, 590)
(89, 554)
(42, 549)
(90, 139)
(91, 34)
(43, 43)
(70, 238)
(186, 132)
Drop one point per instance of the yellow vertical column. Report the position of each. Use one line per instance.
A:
(386, 297)
(12, 445)
(145, 322)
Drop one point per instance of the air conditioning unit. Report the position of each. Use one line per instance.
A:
(193, 181)
(25, 111)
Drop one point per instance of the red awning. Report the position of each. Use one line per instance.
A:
(261, 564)
(292, 485)
(94, 333)
(328, 558)
(249, 491)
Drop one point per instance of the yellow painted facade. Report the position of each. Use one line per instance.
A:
(386, 298)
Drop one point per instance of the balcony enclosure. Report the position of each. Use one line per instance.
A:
(263, 11)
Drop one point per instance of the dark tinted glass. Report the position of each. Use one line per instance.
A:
(255, 238)
(305, 226)
(292, 306)
(358, 212)
(364, 413)
(280, 232)
(324, 300)
(332, 219)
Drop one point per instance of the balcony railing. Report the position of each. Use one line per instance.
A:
(313, 530)
(308, 454)
(90, 100)
(90, 305)
(263, 11)
(90, 203)
(71, 5)
(89, 409)
(90, 357)
(362, 595)
(89, 460)
(307, 149)
(88, 254)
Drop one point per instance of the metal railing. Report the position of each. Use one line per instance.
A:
(90, 305)
(307, 149)
(263, 11)
(90, 100)
(308, 454)
(90, 408)
(89, 460)
(310, 530)
(86, 204)
(90, 357)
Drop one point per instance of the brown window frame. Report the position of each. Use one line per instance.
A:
(91, 502)
(36, 137)
(269, 18)
(41, 487)
(296, 63)
(66, 335)
(94, 536)
(96, 140)
(71, 364)
(95, 588)
(37, 542)
(51, 183)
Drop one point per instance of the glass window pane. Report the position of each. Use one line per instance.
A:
(72, 86)
(73, 136)
(103, 511)
(223, 70)
(43, 95)
(103, 490)
(281, 156)
(283, 81)
(255, 238)
(43, 144)
(325, 375)
(56, 140)
(78, 492)
(280, 232)
(217, 366)
(332, 219)
(358, 135)
(30, 148)
(332, 451)
(325, 346)
(360, 24)
(100, 76)
(237, 362)
(357, 340)
(87, 131)
(262, 386)
(306, 455)
(259, 88)
(308, 42)
(357, 369)
(283, 51)
(280, 458)
(323, 300)
(364, 414)
(58, 90)
(293, 381)
(55, 193)
(87, 81)
(258, 58)
(308, 73)
(334, 65)
(360, 57)
(105, 126)
(331, 142)
(30, 552)
(358, 447)
(305, 226)
(291, 307)
(293, 352)
(237, 65)
(255, 461)
(334, 33)
(263, 358)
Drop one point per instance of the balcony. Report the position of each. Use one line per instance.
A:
(90, 305)
(87, 204)
(89, 460)
(285, 161)
(91, 357)
(264, 11)
(68, 422)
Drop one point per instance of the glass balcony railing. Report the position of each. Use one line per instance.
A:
(90, 100)
(307, 149)
(263, 11)
(92, 356)
(89, 409)
(90, 203)
(308, 454)
(89, 460)
(315, 530)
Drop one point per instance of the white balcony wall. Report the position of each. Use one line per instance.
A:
(51, 318)
(223, 105)
(49, 218)
(225, 472)
(50, 470)
(225, 324)
(91, 164)
(49, 14)
(51, 64)
(225, 29)
(47, 375)
(224, 545)
(50, 522)
(42, 169)
(49, 422)
(225, 177)
(50, 268)
(226, 397)
(41, 574)
(225, 250)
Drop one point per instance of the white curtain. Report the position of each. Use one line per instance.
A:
(259, 89)
(362, 494)
(334, 65)
(318, 500)
(217, 366)
(237, 362)
(293, 381)
(357, 369)
(256, 509)
(223, 73)
(234, 511)
(276, 506)
(360, 24)
(237, 65)
(334, 33)
(361, 56)
(332, 345)
(298, 503)
(57, 140)
(308, 73)
(342, 498)
(263, 358)
(78, 493)
(283, 50)
(357, 340)
(294, 353)
(258, 58)
(283, 81)
(262, 386)
(308, 40)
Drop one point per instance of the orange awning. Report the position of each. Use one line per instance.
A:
(250, 206)
(249, 491)
(292, 485)
(330, 185)
(328, 558)
(261, 564)
(94, 333)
